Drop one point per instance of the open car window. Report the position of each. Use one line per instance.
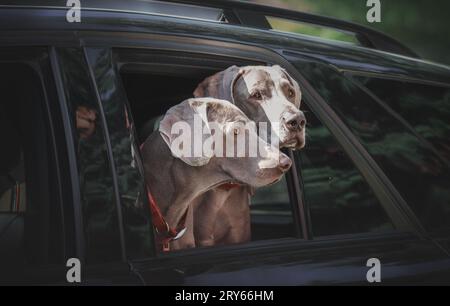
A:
(148, 79)
(333, 189)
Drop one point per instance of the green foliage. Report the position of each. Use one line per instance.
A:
(422, 25)
(303, 28)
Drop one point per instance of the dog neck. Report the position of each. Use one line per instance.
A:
(173, 183)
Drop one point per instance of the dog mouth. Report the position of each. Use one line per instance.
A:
(229, 183)
(290, 143)
(274, 181)
(295, 143)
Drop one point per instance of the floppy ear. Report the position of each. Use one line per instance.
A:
(220, 85)
(181, 118)
(298, 93)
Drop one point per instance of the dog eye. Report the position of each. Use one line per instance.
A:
(291, 93)
(256, 95)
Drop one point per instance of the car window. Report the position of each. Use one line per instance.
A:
(99, 210)
(339, 199)
(135, 213)
(271, 212)
(419, 174)
(425, 107)
(31, 230)
(150, 92)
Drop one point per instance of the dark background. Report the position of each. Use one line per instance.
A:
(422, 25)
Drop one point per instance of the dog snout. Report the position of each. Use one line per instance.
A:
(285, 163)
(295, 122)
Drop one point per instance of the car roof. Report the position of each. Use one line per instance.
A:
(192, 18)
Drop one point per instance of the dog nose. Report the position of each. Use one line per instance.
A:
(295, 122)
(284, 163)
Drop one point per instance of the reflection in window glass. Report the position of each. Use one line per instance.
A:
(339, 199)
(426, 108)
(100, 220)
(421, 176)
(135, 213)
(271, 212)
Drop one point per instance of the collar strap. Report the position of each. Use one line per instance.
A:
(228, 186)
(166, 234)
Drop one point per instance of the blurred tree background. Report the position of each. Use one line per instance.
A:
(422, 25)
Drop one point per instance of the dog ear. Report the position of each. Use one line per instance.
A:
(182, 118)
(298, 93)
(220, 85)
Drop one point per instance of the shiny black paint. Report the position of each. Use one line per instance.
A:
(337, 260)
(406, 258)
(339, 54)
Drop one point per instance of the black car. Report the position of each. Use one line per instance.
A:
(372, 184)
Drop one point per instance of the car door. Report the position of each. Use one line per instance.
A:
(397, 151)
(348, 215)
(36, 211)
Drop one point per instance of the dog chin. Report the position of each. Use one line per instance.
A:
(269, 177)
(266, 182)
(274, 181)
(296, 143)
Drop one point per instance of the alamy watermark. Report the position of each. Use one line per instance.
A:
(374, 13)
(233, 139)
(373, 275)
(74, 12)
(73, 274)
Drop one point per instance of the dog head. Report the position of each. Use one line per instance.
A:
(212, 133)
(264, 94)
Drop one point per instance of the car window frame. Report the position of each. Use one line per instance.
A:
(39, 59)
(295, 198)
(243, 51)
(391, 200)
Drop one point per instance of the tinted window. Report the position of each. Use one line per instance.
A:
(100, 220)
(135, 212)
(31, 231)
(339, 199)
(419, 174)
(271, 212)
(426, 108)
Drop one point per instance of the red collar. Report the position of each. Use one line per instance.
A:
(228, 186)
(166, 234)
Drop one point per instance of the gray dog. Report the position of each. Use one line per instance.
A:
(264, 94)
(175, 180)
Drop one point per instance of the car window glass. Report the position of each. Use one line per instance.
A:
(418, 173)
(30, 216)
(134, 208)
(271, 212)
(339, 199)
(100, 221)
(425, 107)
